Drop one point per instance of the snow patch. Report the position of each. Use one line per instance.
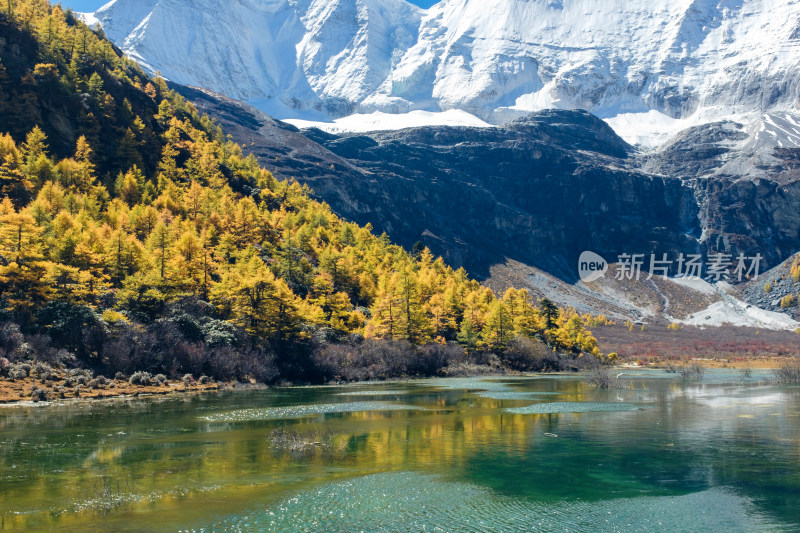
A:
(650, 129)
(88, 18)
(731, 311)
(379, 121)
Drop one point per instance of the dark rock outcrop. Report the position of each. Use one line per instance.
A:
(539, 190)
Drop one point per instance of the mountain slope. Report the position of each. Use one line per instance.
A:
(497, 59)
(517, 204)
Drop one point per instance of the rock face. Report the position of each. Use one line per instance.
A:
(497, 59)
(746, 179)
(540, 190)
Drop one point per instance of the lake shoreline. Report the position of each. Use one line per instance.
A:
(20, 391)
(13, 392)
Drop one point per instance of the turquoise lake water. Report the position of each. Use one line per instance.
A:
(541, 453)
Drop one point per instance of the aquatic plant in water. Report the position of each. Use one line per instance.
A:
(573, 407)
(300, 411)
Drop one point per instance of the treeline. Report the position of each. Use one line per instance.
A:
(163, 248)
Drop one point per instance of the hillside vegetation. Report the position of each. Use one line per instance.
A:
(135, 236)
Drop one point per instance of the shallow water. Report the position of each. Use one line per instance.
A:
(546, 453)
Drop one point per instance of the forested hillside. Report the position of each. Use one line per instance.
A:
(135, 236)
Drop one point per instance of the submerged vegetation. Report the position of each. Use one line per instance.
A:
(307, 442)
(136, 238)
(690, 371)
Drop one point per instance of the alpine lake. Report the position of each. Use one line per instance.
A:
(494, 454)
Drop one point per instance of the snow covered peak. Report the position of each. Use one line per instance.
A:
(496, 59)
(319, 54)
(501, 56)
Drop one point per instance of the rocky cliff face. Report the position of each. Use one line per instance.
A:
(746, 179)
(540, 191)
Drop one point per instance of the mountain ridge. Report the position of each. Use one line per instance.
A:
(498, 60)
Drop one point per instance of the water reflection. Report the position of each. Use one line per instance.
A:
(115, 467)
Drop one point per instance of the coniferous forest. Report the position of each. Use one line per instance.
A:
(135, 236)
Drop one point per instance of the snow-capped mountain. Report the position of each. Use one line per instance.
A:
(496, 59)
(326, 55)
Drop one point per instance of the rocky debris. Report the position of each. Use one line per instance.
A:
(773, 286)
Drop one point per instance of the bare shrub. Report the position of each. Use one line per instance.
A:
(80, 379)
(531, 355)
(371, 359)
(433, 358)
(308, 442)
(604, 378)
(39, 395)
(692, 372)
(788, 373)
(19, 371)
(41, 346)
(42, 371)
(98, 382)
(140, 378)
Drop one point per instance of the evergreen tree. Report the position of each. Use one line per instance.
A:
(549, 311)
(499, 327)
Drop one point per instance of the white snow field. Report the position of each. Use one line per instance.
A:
(732, 311)
(650, 67)
(379, 121)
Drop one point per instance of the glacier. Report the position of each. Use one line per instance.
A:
(650, 67)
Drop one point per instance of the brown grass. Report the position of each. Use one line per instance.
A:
(21, 389)
(723, 347)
